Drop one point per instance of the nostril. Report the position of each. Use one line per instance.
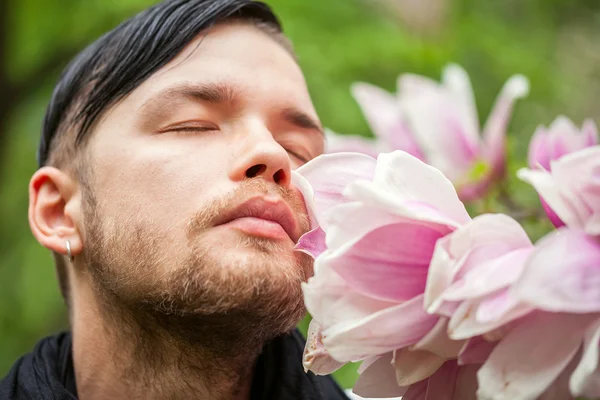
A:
(255, 170)
(279, 176)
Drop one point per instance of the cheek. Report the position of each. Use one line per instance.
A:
(161, 185)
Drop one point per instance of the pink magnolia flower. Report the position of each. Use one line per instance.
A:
(562, 138)
(571, 189)
(556, 347)
(471, 273)
(438, 123)
(376, 224)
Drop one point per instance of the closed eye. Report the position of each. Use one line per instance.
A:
(298, 156)
(190, 128)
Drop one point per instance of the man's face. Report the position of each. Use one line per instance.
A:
(189, 207)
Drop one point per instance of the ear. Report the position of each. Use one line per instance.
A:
(55, 210)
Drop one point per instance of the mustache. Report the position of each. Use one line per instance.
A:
(206, 217)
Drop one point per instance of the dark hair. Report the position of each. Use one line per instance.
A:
(119, 61)
(122, 59)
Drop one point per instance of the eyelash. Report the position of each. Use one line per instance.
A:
(193, 129)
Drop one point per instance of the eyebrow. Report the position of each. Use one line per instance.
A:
(222, 93)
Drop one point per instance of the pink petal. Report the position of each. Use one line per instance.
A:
(437, 342)
(378, 267)
(456, 80)
(577, 175)
(436, 121)
(315, 357)
(494, 132)
(526, 362)
(562, 274)
(563, 137)
(471, 247)
(589, 132)
(453, 382)
(417, 391)
(559, 388)
(539, 152)
(369, 194)
(464, 323)
(413, 366)
(383, 114)
(329, 175)
(554, 219)
(338, 143)
(585, 380)
(330, 301)
(475, 351)
(487, 277)
(411, 85)
(406, 178)
(544, 184)
(389, 329)
(378, 379)
(312, 243)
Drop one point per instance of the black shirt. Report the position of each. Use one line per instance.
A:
(47, 373)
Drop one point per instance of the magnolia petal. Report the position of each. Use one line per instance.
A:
(345, 143)
(436, 119)
(494, 131)
(539, 151)
(368, 194)
(411, 85)
(329, 174)
(437, 342)
(577, 175)
(389, 329)
(453, 382)
(389, 263)
(456, 80)
(525, 363)
(312, 243)
(486, 278)
(383, 114)
(589, 132)
(315, 357)
(417, 391)
(476, 350)
(464, 323)
(544, 184)
(415, 365)
(585, 380)
(378, 379)
(559, 388)
(469, 248)
(410, 179)
(563, 137)
(330, 301)
(466, 383)
(562, 273)
(305, 188)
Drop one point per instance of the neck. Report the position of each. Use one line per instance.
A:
(120, 354)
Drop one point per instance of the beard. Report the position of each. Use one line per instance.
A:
(222, 291)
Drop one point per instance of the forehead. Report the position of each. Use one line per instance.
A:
(237, 54)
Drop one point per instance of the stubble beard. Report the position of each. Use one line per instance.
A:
(217, 299)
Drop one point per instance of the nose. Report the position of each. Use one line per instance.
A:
(259, 155)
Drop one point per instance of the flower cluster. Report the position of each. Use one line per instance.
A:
(437, 304)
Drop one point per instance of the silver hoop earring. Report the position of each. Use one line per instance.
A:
(69, 254)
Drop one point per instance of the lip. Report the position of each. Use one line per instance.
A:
(264, 208)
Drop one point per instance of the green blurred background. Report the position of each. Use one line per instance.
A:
(553, 42)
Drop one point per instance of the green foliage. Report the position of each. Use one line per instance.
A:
(338, 42)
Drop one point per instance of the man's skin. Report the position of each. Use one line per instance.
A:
(167, 300)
